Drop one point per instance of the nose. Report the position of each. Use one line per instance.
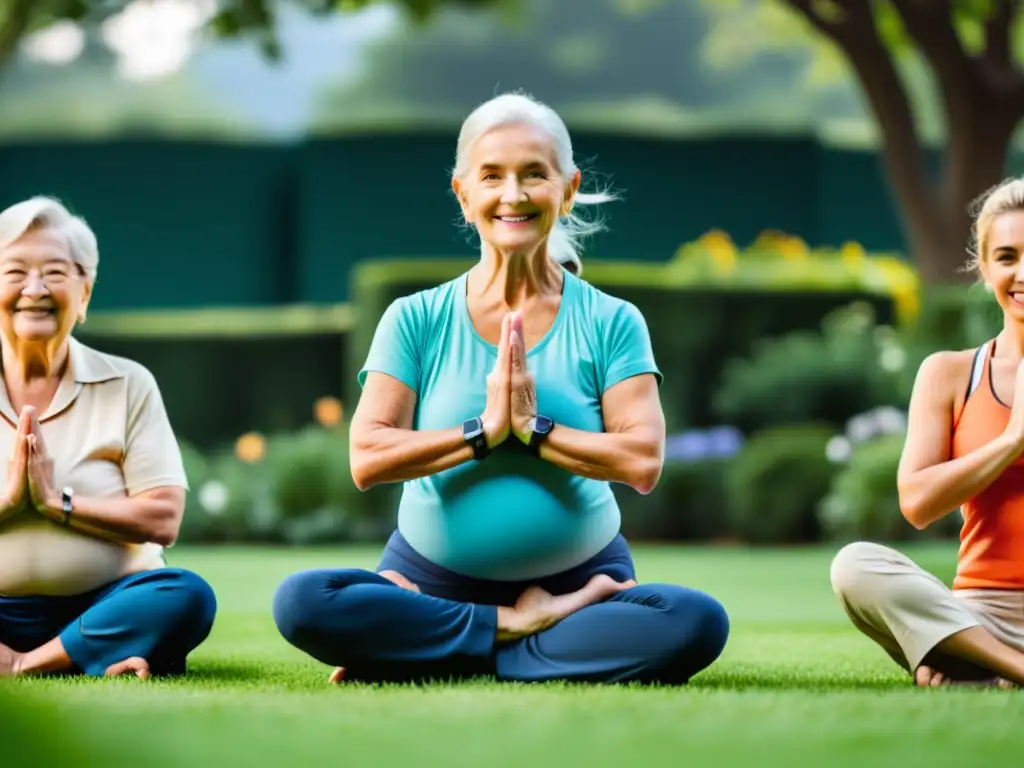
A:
(513, 191)
(34, 286)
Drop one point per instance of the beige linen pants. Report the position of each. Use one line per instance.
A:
(908, 611)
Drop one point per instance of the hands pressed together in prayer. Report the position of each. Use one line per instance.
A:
(511, 396)
(30, 470)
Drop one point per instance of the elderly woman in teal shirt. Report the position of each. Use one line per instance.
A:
(506, 401)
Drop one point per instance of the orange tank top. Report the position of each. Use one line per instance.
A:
(992, 535)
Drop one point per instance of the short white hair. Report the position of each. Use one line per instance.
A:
(521, 109)
(50, 213)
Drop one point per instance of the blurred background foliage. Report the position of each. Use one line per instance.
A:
(789, 291)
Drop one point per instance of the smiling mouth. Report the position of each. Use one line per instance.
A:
(35, 311)
(517, 219)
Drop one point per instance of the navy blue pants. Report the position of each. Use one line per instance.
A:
(159, 615)
(381, 632)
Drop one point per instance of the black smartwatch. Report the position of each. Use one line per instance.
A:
(67, 496)
(473, 434)
(540, 428)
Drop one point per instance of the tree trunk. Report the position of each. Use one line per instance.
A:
(983, 105)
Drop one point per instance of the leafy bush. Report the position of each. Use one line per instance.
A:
(864, 503)
(851, 365)
(776, 482)
(688, 504)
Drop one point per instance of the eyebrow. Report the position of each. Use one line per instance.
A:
(497, 166)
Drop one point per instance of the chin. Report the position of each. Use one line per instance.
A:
(36, 332)
(516, 244)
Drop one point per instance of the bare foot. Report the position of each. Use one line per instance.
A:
(400, 580)
(10, 662)
(541, 609)
(133, 666)
(926, 677)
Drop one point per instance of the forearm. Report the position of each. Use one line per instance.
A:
(391, 455)
(633, 458)
(930, 494)
(121, 519)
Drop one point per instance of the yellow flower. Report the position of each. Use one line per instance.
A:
(328, 411)
(251, 448)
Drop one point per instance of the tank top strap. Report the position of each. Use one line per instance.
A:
(979, 374)
(979, 366)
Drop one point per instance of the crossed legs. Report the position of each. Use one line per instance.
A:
(379, 631)
(935, 634)
(143, 624)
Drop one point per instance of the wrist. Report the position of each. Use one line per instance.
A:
(1011, 445)
(50, 507)
(523, 432)
(57, 506)
(536, 433)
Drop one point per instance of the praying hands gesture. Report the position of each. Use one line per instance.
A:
(524, 395)
(511, 396)
(29, 471)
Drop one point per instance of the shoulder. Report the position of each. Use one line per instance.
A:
(945, 375)
(604, 309)
(946, 363)
(96, 367)
(419, 309)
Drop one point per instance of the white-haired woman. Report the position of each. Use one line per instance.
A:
(507, 400)
(95, 485)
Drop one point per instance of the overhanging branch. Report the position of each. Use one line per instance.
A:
(996, 66)
(855, 32)
(930, 24)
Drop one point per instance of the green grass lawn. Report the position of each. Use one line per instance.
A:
(796, 685)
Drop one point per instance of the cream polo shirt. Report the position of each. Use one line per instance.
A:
(109, 435)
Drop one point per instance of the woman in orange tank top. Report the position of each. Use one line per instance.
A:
(964, 451)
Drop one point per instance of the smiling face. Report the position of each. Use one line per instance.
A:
(1002, 262)
(43, 292)
(512, 190)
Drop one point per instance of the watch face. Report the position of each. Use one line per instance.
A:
(543, 424)
(472, 428)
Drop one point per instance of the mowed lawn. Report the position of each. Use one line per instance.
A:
(796, 686)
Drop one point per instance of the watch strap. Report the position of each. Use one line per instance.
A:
(66, 503)
(473, 434)
(540, 428)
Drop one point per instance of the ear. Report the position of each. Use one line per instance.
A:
(86, 296)
(462, 197)
(570, 193)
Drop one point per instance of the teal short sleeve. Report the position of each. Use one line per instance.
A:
(627, 346)
(397, 346)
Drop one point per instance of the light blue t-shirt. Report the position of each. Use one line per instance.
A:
(511, 516)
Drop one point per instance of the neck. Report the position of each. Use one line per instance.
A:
(518, 276)
(26, 361)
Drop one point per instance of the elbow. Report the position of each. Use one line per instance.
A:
(913, 510)
(361, 470)
(915, 519)
(646, 476)
(164, 531)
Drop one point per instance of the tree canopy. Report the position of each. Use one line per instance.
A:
(958, 57)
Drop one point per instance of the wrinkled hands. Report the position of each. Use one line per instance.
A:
(511, 396)
(30, 470)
